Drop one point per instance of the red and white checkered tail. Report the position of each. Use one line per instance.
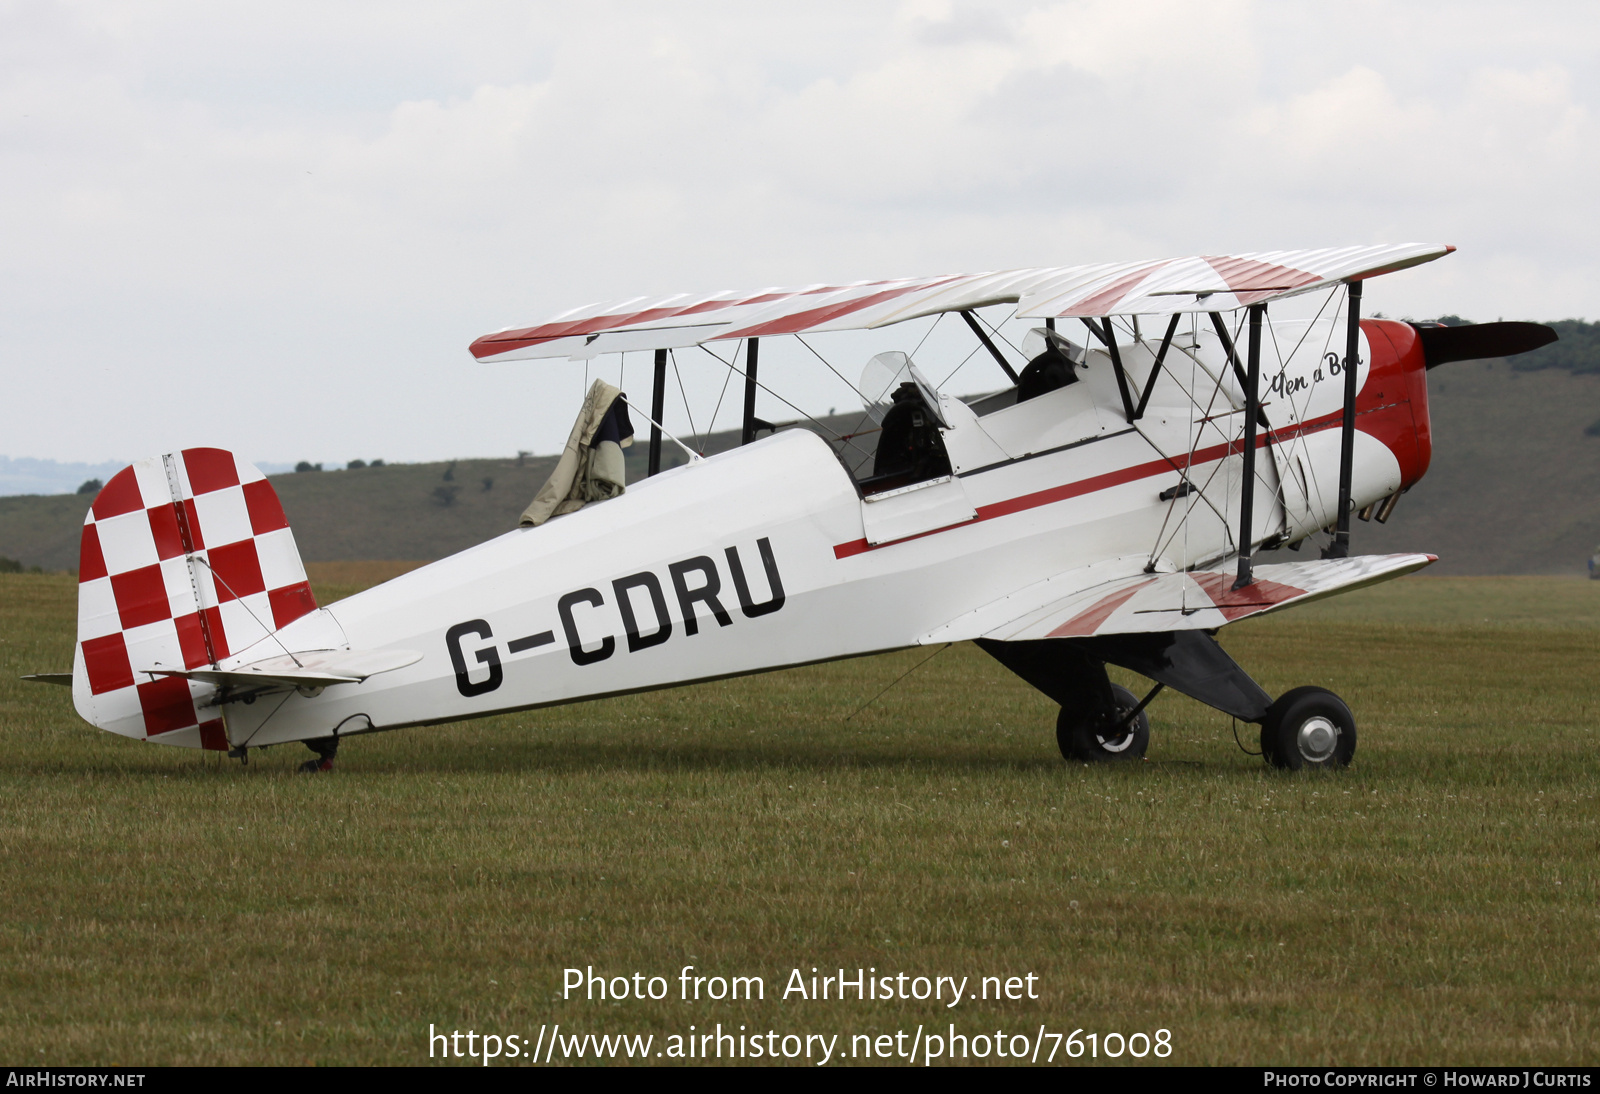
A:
(187, 559)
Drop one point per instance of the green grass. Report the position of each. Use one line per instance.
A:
(1436, 903)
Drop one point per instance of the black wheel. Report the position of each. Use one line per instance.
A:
(1082, 737)
(1308, 727)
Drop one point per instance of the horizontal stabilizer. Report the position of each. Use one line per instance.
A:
(1151, 603)
(62, 678)
(319, 669)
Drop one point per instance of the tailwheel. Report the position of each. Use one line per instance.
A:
(325, 748)
(1081, 736)
(1308, 727)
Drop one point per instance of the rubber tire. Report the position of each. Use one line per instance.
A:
(1280, 729)
(1078, 739)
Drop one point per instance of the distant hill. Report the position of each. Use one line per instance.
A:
(1577, 349)
(26, 475)
(31, 476)
(397, 511)
(1514, 488)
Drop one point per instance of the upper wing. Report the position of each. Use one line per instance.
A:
(1196, 600)
(1199, 283)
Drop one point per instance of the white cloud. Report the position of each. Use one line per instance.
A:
(280, 227)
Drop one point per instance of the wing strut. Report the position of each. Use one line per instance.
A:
(1227, 346)
(1340, 547)
(990, 346)
(750, 354)
(1108, 338)
(1247, 495)
(658, 399)
(1155, 370)
(1116, 365)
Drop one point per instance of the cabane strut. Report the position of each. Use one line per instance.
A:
(658, 400)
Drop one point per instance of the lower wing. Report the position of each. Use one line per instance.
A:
(1195, 600)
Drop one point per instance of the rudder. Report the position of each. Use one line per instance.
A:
(186, 559)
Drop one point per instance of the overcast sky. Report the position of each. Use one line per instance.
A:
(276, 227)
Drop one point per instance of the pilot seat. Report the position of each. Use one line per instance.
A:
(910, 449)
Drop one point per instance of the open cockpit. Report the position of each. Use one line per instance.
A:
(909, 433)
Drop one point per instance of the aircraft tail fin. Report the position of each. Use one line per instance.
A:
(186, 560)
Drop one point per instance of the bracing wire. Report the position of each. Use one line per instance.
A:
(270, 632)
(995, 330)
(1200, 489)
(927, 332)
(711, 426)
(682, 393)
(1312, 485)
(1260, 472)
(1283, 362)
(263, 723)
(691, 453)
(831, 432)
(896, 680)
(831, 369)
(959, 367)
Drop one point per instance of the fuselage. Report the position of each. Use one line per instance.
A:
(769, 555)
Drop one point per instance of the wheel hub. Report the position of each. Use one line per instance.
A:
(1119, 743)
(1118, 740)
(1317, 738)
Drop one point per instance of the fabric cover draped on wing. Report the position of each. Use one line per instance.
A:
(1064, 607)
(1202, 283)
(591, 467)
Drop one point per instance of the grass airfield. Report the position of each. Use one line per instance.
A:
(1434, 904)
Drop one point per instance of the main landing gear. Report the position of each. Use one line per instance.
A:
(1082, 736)
(1307, 727)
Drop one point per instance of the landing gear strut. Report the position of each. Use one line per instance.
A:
(325, 748)
(1082, 736)
(1306, 727)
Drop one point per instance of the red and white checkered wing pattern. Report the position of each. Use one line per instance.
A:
(186, 560)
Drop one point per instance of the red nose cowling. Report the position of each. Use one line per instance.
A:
(1393, 404)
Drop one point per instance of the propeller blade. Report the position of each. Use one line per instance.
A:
(1441, 345)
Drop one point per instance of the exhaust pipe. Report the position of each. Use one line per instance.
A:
(1386, 509)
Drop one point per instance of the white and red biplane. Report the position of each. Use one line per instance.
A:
(1101, 508)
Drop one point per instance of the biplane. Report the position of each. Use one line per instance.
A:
(1150, 430)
